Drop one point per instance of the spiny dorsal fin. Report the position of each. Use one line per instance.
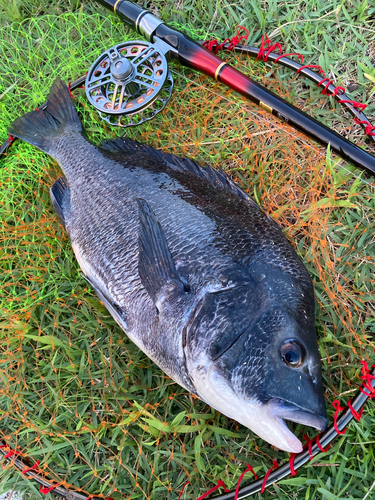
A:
(156, 266)
(216, 177)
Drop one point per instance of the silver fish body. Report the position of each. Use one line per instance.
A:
(197, 275)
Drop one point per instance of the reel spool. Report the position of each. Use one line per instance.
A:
(129, 83)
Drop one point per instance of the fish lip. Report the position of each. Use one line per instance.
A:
(286, 410)
(261, 421)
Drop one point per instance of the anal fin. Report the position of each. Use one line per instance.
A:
(60, 195)
(117, 313)
(156, 266)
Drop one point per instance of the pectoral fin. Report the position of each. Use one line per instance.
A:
(156, 266)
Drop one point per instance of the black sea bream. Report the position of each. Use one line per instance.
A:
(200, 279)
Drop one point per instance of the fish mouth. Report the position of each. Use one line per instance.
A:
(266, 419)
(289, 411)
(279, 411)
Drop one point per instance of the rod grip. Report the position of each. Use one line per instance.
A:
(128, 12)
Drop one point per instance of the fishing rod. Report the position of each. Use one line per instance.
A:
(189, 53)
(130, 83)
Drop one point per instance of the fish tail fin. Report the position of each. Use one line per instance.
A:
(41, 127)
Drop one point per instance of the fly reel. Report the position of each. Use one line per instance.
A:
(129, 83)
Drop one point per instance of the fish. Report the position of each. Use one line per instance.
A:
(197, 275)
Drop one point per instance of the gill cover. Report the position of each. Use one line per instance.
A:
(260, 363)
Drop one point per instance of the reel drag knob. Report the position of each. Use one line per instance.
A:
(129, 83)
(122, 72)
(121, 69)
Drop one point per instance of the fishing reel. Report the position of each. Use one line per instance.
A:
(130, 83)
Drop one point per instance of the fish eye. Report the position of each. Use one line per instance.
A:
(293, 353)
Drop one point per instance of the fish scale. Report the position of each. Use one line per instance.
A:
(196, 274)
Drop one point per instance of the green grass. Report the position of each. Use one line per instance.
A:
(76, 394)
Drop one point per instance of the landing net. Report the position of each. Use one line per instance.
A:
(75, 393)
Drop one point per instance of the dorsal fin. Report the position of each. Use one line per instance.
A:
(216, 177)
